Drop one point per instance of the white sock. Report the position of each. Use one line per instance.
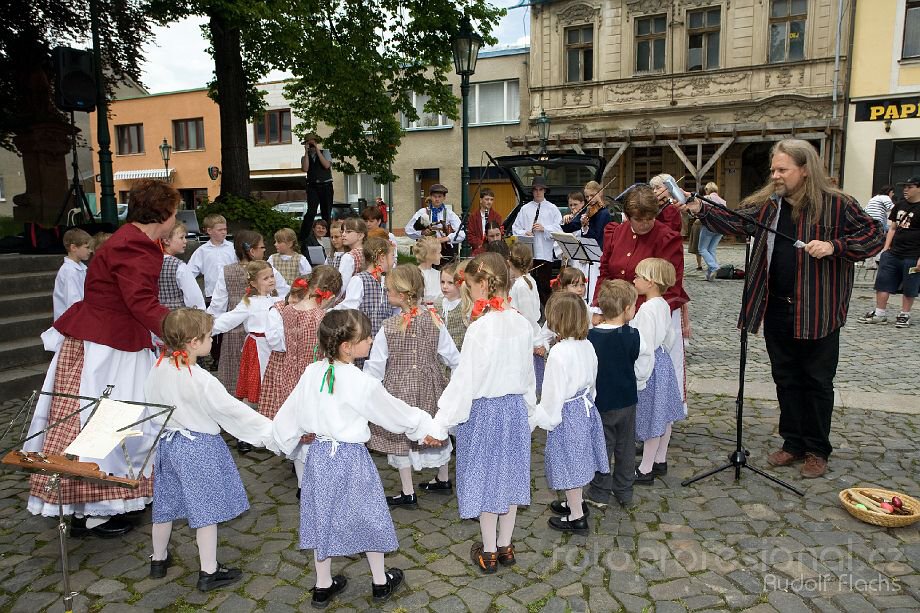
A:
(207, 548)
(506, 526)
(159, 534)
(378, 570)
(444, 472)
(323, 571)
(881, 312)
(405, 480)
(649, 451)
(661, 455)
(573, 500)
(487, 527)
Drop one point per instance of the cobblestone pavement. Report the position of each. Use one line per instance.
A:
(868, 353)
(717, 545)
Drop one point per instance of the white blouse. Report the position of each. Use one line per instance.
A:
(653, 321)
(203, 405)
(343, 416)
(68, 286)
(376, 364)
(571, 366)
(347, 268)
(221, 299)
(527, 300)
(432, 284)
(496, 360)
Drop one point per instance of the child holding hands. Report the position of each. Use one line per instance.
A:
(196, 478)
(575, 448)
(342, 507)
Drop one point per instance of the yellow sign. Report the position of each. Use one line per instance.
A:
(881, 112)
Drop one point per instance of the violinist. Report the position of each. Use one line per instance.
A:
(436, 219)
(589, 213)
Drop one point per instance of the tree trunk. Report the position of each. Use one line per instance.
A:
(231, 98)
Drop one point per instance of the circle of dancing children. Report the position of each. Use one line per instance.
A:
(178, 287)
(292, 336)
(490, 399)
(659, 399)
(288, 260)
(354, 233)
(343, 510)
(196, 478)
(617, 346)
(575, 448)
(407, 356)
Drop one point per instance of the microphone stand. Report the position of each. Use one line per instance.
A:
(464, 218)
(750, 220)
(738, 458)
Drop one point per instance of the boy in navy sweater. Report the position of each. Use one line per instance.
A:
(617, 346)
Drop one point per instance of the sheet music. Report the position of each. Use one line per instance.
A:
(99, 437)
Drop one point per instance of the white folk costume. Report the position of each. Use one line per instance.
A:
(68, 286)
(196, 478)
(290, 266)
(490, 398)
(407, 355)
(253, 316)
(575, 447)
(209, 260)
(343, 507)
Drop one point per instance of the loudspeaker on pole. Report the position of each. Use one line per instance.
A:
(74, 79)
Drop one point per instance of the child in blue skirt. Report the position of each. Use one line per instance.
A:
(660, 402)
(196, 478)
(575, 448)
(490, 398)
(343, 510)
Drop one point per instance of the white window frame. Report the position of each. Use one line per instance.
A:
(444, 122)
(474, 104)
(354, 188)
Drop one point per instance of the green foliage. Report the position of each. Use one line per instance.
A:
(257, 215)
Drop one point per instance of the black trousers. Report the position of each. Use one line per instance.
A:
(620, 437)
(542, 273)
(319, 198)
(803, 371)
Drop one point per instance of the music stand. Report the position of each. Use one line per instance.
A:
(60, 467)
(579, 249)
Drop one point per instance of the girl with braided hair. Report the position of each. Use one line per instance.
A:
(490, 399)
(409, 350)
(342, 507)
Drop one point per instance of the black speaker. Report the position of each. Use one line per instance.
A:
(74, 79)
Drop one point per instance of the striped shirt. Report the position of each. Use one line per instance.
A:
(822, 286)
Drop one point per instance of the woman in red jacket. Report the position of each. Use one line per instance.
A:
(479, 218)
(106, 340)
(642, 236)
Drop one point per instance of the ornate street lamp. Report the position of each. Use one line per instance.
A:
(165, 150)
(543, 123)
(466, 46)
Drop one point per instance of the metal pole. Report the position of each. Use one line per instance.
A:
(106, 181)
(465, 175)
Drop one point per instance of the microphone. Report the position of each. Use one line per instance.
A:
(676, 193)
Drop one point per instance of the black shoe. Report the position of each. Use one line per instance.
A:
(644, 478)
(219, 578)
(298, 493)
(410, 501)
(116, 526)
(243, 447)
(561, 507)
(158, 567)
(659, 469)
(564, 524)
(322, 596)
(383, 592)
(437, 486)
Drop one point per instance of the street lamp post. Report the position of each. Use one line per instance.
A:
(543, 130)
(165, 151)
(466, 46)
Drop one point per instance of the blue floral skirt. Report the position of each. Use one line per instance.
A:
(575, 449)
(660, 403)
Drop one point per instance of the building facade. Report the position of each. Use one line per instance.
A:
(697, 88)
(883, 118)
(188, 121)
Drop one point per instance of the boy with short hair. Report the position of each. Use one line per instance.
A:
(208, 260)
(617, 346)
(68, 284)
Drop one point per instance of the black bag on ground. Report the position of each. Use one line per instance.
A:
(726, 271)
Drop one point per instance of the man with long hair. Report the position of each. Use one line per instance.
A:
(800, 295)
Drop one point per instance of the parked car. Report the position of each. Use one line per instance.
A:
(298, 208)
(122, 213)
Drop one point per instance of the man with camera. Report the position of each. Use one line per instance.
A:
(317, 163)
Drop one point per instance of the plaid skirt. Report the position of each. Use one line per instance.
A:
(67, 381)
(231, 352)
(277, 385)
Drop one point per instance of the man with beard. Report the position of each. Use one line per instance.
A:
(800, 295)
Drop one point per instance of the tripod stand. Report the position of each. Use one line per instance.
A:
(738, 458)
(76, 192)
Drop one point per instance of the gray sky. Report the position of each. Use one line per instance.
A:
(177, 59)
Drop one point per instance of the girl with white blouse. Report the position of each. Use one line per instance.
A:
(490, 399)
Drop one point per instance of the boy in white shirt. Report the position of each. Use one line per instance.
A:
(68, 284)
(210, 258)
(539, 218)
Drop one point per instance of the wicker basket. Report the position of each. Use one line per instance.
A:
(881, 519)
